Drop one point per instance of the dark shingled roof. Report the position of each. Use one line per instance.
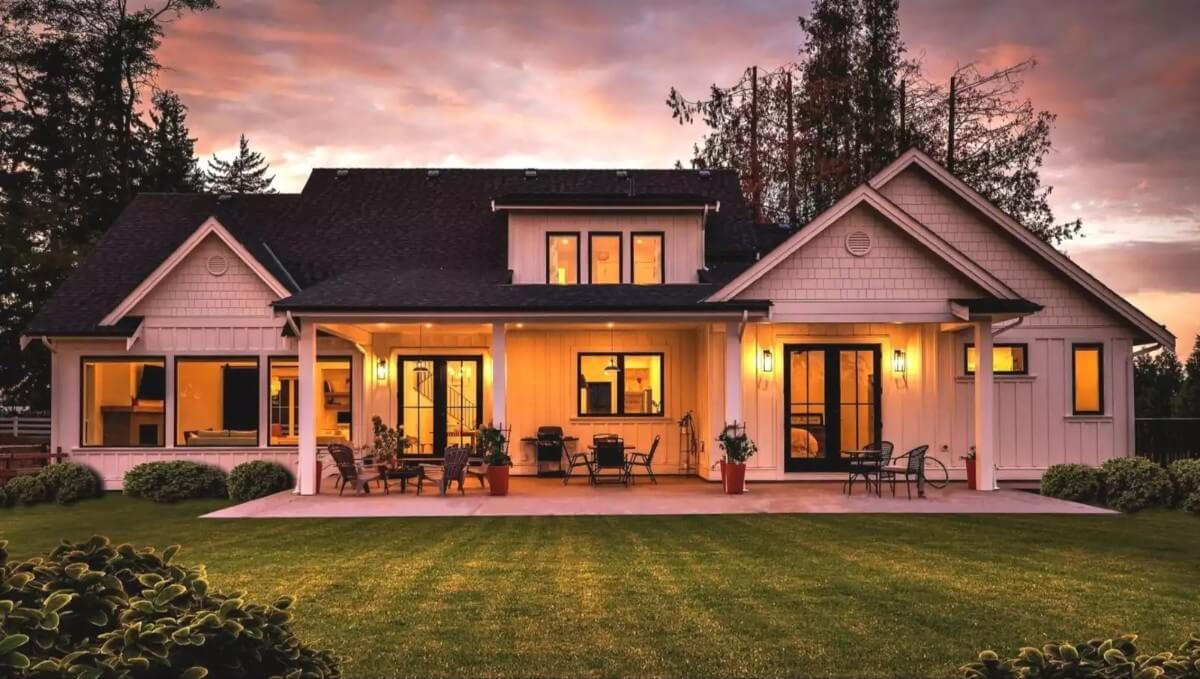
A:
(383, 238)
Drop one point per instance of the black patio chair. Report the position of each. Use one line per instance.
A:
(643, 460)
(609, 453)
(453, 468)
(350, 473)
(867, 467)
(911, 466)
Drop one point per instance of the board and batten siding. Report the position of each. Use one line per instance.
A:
(683, 241)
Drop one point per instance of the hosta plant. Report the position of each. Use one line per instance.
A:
(1097, 659)
(98, 611)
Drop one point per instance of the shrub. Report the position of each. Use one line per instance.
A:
(173, 481)
(26, 489)
(1185, 477)
(1132, 484)
(98, 610)
(68, 482)
(256, 479)
(1075, 482)
(1096, 659)
(3, 498)
(1192, 503)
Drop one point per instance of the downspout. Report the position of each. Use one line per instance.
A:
(742, 324)
(292, 323)
(49, 345)
(1006, 328)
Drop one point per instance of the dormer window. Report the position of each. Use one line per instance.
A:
(604, 258)
(562, 258)
(647, 258)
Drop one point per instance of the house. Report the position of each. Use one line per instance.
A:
(229, 328)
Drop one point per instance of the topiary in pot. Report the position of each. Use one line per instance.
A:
(68, 482)
(1075, 482)
(173, 481)
(1185, 477)
(1132, 484)
(257, 478)
(26, 489)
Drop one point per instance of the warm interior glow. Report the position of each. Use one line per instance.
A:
(605, 259)
(123, 403)
(634, 390)
(1006, 359)
(562, 261)
(333, 400)
(1087, 379)
(216, 402)
(647, 260)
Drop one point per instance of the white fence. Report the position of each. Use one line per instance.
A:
(25, 427)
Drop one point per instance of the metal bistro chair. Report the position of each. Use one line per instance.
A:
(453, 468)
(609, 453)
(868, 467)
(911, 466)
(643, 460)
(350, 473)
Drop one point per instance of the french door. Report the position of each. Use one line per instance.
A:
(832, 396)
(440, 401)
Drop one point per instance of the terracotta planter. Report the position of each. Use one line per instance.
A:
(733, 477)
(319, 476)
(497, 476)
(971, 485)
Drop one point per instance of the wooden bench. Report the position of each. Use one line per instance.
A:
(18, 460)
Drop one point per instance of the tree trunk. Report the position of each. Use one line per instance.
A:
(755, 178)
(791, 156)
(950, 130)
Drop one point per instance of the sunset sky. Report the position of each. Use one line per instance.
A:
(582, 84)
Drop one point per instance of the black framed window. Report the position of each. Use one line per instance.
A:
(605, 262)
(1007, 359)
(334, 400)
(1087, 378)
(216, 402)
(647, 255)
(562, 258)
(620, 384)
(122, 401)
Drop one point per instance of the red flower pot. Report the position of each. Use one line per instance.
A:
(971, 485)
(733, 477)
(498, 479)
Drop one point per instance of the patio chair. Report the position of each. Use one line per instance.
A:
(350, 473)
(911, 466)
(868, 467)
(643, 460)
(609, 453)
(453, 468)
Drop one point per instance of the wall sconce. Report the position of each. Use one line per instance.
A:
(381, 370)
(899, 363)
(768, 363)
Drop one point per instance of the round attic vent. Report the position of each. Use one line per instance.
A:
(858, 243)
(217, 265)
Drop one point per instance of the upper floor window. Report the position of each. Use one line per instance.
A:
(647, 258)
(1007, 359)
(604, 258)
(562, 258)
(1087, 378)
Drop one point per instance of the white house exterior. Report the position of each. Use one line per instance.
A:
(265, 327)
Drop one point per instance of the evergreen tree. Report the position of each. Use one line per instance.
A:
(1187, 400)
(245, 173)
(171, 164)
(1156, 379)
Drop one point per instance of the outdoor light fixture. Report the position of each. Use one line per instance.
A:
(899, 364)
(381, 370)
(768, 361)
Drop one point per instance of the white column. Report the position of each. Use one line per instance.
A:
(733, 373)
(985, 408)
(307, 415)
(499, 374)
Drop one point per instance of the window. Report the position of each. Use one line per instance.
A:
(620, 384)
(604, 258)
(1007, 359)
(1087, 378)
(562, 258)
(647, 258)
(334, 401)
(122, 402)
(216, 402)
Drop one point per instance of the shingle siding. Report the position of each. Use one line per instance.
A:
(190, 291)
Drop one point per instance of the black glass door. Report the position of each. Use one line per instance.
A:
(831, 403)
(440, 402)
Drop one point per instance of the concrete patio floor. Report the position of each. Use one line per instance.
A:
(672, 496)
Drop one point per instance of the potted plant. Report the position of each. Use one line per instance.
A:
(491, 444)
(738, 448)
(387, 444)
(970, 460)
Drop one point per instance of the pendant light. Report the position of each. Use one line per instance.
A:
(612, 366)
(420, 369)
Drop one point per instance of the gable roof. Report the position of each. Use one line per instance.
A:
(1057, 260)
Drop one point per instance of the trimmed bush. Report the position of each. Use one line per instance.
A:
(3, 498)
(1192, 503)
(26, 489)
(1096, 659)
(174, 481)
(104, 611)
(257, 478)
(68, 482)
(1075, 482)
(1132, 484)
(1185, 477)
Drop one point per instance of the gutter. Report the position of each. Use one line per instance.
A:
(292, 323)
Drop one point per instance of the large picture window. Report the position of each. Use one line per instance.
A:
(604, 258)
(624, 384)
(122, 402)
(647, 258)
(1087, 378)
(334, 401)
(216, 402)
(562, 258)
(1007, 359)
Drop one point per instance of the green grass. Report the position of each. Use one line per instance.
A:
(849, 595)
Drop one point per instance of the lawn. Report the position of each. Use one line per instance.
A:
(678, 596)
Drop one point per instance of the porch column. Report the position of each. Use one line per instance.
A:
(985, 404)
(733, 373)
(499, 374)
(306, 400)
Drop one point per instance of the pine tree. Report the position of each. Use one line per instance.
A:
(1156, 382)
(171, 164)
(1187, 400)
(246, 173)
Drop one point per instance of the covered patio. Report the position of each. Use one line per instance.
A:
(672, 496)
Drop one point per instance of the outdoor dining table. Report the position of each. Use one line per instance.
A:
(864, 470)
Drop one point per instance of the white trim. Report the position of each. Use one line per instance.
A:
(715, 207)
(866, 194)
(499, 316)
(1057, 259)
(210, 227)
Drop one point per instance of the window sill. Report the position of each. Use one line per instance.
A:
(970, 379)
(602, 419)
(1088, 418)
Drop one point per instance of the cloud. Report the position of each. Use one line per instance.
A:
(1144, 266)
